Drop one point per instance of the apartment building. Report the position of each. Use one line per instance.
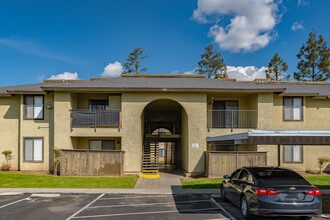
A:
(289, 122)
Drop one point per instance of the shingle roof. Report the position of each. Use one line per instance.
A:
(171, 84)
(131, 83)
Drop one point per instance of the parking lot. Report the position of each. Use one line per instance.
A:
(123, 206)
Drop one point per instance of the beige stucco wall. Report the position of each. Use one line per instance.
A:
(133, 105)
(9, 121)
(39, 129)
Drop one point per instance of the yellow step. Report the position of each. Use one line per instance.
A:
(149, 175)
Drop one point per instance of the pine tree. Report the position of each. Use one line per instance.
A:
(212, 64)
(314, 60)
(132, 63)
(276, 68)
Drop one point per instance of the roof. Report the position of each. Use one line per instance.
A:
(272, 137)
(161, 84)
(175, 83)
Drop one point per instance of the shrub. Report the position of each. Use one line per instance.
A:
(6, 166)
(323, 161)
(56, 153)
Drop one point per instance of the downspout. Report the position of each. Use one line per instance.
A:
(278, 155)
(19, 135)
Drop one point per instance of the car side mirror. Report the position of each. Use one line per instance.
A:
(226, 177)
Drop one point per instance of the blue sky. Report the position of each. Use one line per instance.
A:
(39, 39)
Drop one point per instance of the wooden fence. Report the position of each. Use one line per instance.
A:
(220, 163)
(92, 163)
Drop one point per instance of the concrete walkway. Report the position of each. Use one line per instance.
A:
(166, 183)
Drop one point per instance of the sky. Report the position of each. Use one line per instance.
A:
(79, 39)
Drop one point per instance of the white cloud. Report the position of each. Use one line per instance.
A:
(297, 26)
(247, 73)
(250, 27)
(175, 72)
(113, 69)
(190, 72)
(65, 75)
(302, 2)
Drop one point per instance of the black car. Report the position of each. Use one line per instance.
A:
(269, 191)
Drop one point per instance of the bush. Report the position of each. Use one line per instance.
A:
(6, 166)
(323, 161)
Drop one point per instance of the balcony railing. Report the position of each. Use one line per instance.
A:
(232, 119)
(86, 118)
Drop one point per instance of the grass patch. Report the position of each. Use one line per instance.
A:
(322, 182)
(19, 180)
(201, 183)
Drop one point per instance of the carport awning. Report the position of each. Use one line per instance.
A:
(274, 137)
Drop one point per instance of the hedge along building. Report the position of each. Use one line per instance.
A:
(123, 114)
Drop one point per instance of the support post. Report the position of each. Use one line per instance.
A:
(278, 155)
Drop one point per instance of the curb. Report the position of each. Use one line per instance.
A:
(14, 191)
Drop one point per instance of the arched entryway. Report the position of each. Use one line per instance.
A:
(163, 130)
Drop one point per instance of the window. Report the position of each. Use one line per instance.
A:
(34, 107)
(98, 104)
(235, 174)
(293, 153)
(102, 145)
(293, 108)
(33, 149)
(244, 175)
(225, 114)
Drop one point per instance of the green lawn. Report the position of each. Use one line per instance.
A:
(19, 180)
(322, 182)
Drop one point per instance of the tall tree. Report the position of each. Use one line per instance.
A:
(276, 68)
(132, 64)
(314, 60)
(212, 64)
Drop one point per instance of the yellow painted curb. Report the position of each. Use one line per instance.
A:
(150, 171)
(149, 175)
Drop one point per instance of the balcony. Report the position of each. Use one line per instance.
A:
(95, 118)
(232, 119)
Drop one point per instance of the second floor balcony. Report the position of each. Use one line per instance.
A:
(95, 118)
(232, 119)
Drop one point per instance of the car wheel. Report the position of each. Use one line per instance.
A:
(245, 208)
(223, 197)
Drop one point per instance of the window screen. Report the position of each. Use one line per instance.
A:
(34, 107)
(293, 153)
(33, 149)
(98, 104)
(102, 145)
(292, 108)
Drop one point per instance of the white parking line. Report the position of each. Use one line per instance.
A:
(136, 197)
(144, 213)
(224, 210)
(12, 203)
(146, 204)
(73, 216)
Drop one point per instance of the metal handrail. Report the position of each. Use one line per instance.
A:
(232, 118)
(81, 118)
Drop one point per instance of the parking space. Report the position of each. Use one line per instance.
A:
(235, 212)
(124, 206)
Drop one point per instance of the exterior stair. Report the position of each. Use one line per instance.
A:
(150, 167)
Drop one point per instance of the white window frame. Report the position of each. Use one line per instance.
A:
(292, 158)
(34, 140)
(35, 108)
(296, 109)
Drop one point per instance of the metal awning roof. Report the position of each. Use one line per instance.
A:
(274, 137)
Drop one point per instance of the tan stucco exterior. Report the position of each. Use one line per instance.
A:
(55, 128)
